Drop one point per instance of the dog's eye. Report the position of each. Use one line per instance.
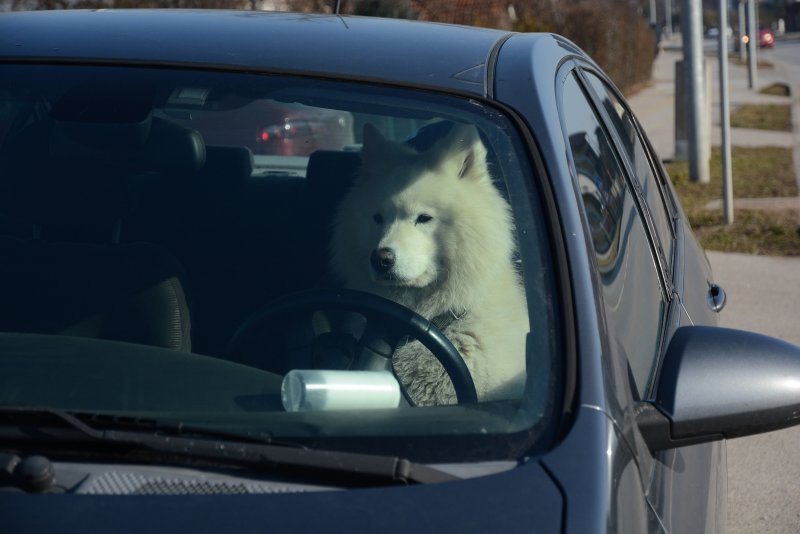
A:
(378, 218)
(423, 218)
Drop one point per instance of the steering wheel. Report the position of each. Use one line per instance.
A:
(387, 322)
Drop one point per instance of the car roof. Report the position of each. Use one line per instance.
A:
(424, 54)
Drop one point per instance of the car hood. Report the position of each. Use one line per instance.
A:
(516, 500)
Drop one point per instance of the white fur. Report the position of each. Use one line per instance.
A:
(459, 262)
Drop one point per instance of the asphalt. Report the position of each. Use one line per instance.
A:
(763, 292)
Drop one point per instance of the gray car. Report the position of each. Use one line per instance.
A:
(178, 351)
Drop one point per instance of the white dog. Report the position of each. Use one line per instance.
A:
(430, 230)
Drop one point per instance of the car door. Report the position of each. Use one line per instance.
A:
(638, 241)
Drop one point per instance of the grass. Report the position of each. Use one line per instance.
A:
(752, 232)
(763, 117)
(757, 173)
(777, 89)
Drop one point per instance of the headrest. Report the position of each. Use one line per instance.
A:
(99, 102)
(424, 138)
(172, 148)
(330, 173)
(110, 140)
(152, 144)
(227, 168)
(71, 170)
(113, 116)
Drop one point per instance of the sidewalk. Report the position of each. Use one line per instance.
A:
(655, 107)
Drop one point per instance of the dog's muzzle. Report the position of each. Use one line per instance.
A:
(383, 260)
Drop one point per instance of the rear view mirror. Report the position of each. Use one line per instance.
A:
(718, 383)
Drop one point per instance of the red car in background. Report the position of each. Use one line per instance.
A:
(766, 39)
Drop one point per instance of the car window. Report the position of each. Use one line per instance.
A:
(632, 290)
(245, 252)
(641, 164)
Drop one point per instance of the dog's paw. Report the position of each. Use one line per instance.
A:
(424, 379)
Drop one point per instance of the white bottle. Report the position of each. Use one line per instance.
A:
(312, 389)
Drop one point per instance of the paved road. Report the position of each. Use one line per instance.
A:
(763, 471)
(788, 52)
(764, 296)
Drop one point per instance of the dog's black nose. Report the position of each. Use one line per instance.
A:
(383, 259)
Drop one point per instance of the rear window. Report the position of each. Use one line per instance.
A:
(326, 262)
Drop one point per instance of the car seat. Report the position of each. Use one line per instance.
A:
(70, 184)
(329, 176)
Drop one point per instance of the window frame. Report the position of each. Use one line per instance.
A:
(669, 302)
(530, 191)
(666, 265)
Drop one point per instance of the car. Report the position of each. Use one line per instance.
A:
(195, 335)
(713, 32)
(766, 39)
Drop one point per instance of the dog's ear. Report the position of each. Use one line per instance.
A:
(374, 145)
(463, 149)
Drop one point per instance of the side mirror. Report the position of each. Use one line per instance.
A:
(718, 383)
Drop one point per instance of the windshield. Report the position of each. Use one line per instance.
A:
(333, 263)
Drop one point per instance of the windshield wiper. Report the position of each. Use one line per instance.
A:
(255, 451)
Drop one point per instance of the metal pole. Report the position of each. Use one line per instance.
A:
(697, 134)
(742, 31)
(669, 17)
(752, 45)
(758, 17)
(727, 179)
(653, 18)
